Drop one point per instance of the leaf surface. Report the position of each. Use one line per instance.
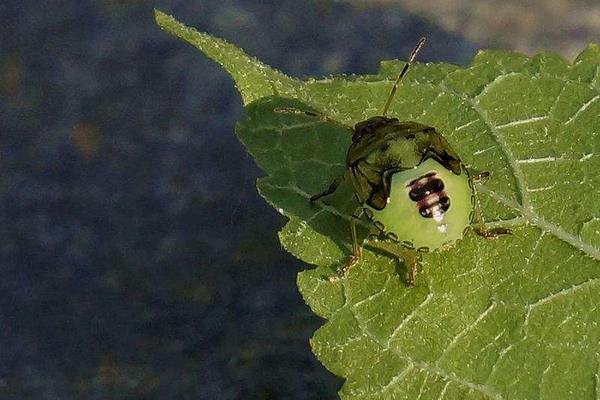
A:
(512, 318)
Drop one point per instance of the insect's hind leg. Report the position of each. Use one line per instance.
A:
(480, 227)
(410, 257)
(356, 249)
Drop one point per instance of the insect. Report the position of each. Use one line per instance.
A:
(410, 184)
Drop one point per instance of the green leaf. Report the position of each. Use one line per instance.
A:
(512, 318)
(253, 79)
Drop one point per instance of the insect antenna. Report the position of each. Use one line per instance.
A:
(402, 73)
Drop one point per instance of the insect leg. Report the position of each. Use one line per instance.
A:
(356, 248)
(480, 227)
(480, 177)
(410, 257)
(411, 260)
(332, 188)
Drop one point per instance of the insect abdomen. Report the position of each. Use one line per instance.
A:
(418, 210)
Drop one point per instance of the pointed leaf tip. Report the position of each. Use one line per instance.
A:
(253, 79)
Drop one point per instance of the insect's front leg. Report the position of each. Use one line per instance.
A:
(330, 190)
(479, 221)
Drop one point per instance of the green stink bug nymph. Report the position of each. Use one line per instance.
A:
(411, 185)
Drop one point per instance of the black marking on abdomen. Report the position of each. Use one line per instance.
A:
(428, 192)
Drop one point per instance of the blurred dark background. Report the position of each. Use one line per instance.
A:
(136, 258)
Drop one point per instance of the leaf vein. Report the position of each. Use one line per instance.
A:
(467, 329)
(561, 293)
(424, 366)
(582, 109)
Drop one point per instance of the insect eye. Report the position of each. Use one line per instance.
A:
(362, 129)
(358, 134)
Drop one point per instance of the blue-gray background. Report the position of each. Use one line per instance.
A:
(136, 258)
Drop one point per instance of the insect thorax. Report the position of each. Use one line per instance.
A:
(382, 146)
